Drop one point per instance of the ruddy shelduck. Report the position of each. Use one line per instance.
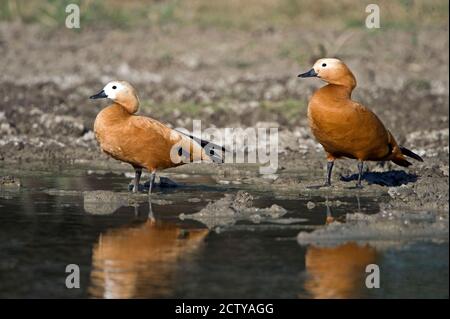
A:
(142, 141)
(346, 128)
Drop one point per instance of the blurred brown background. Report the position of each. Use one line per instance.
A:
(228, 63)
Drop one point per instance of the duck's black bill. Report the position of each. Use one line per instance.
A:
(310, 74)
(99, 95)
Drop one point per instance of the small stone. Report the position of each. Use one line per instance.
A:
(9, 182)
(310, 205)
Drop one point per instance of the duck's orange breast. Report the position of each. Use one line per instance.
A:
(105, 128)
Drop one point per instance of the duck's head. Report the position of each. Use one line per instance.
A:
(332, 71)
(121, 92)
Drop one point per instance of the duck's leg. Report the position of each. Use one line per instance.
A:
(327, 183)
(152, 180)
(137, 178)
(360, 173)
(330, 165)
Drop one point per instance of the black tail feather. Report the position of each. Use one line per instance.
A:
(214, 151)
(411, 154)
(402, 162)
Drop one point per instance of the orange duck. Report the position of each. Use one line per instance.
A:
(142, 141)
(346, 128)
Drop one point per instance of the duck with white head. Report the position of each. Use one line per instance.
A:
(142, 141)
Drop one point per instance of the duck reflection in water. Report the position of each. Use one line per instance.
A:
(338, 271)
(141, 261)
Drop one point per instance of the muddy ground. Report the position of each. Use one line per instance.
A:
(230, 78)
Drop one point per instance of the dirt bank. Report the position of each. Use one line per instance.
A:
(230, 78)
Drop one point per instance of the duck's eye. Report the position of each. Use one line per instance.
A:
(114, 87)
(324, 64)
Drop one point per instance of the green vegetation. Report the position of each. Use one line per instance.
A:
(110, 13)
(188, 108)
(230, 14)
(289, 109)
(293, 51)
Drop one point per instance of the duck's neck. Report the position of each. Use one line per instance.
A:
(115, 112)
(129, 104)
(337, 91)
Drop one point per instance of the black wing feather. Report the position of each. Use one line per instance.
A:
(214, 151)
(411, 154)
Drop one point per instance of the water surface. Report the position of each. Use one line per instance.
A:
(146, 251)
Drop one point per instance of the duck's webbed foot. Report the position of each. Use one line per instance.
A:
(141, 187)
(324, 185)
(353, 177)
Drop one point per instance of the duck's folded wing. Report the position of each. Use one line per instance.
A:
(181, 143)
(151, 126)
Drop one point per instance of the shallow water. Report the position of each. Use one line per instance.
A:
(147, 251)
